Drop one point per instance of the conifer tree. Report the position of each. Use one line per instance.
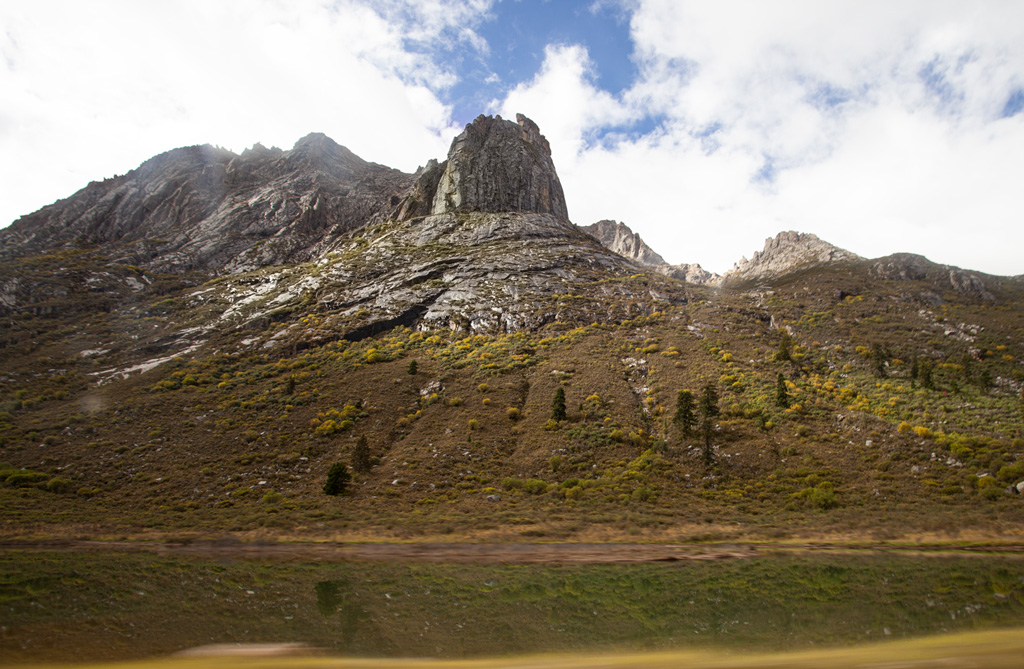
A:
(337, 479)
(684, 417)
(781, 393)
(708, 412)
(783, 354)
(558, 405)
(361, 460)
(412, 367)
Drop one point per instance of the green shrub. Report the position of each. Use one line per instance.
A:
(535, 486)
(26, 479)
(58, 485)
(512, 483)
(272, 498)
(820, 498)
(328, 427)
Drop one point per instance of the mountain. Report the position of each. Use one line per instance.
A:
(204, 208)
(510, 377)
(786, 252)
(620, 238)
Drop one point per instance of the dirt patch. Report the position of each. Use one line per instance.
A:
(519, 553)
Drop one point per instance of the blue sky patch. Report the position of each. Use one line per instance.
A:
(1015, 104)
(517, 33)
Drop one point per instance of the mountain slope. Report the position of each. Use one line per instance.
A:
(204, 208)
(856, 399)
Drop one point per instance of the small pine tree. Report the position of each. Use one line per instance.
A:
(708, 412)
(783, 354)
(984, 380)
(413, 367)
(290, 386)
(337, 479)
(558, 405)
(781, 392)
(684, 417)
(880, 360)
(361, 460)
(924, 372)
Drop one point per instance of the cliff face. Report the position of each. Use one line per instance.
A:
(493, 166)
(619, 238)
(204, 208)
(479, 242)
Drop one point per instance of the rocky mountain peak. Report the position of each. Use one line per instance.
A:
(620, 238)
(494, 166)
(785, 252)
(205, 208)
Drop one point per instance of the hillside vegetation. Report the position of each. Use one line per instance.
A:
(850, 406)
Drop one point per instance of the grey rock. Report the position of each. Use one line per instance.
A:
(618, 237)
(205, 208)
(493, 166)
(691, 273)
(786, 252)
(1020, 487)
(494, 498)
(912, 267)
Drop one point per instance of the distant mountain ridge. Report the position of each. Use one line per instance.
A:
(205, 208)
(620, 238)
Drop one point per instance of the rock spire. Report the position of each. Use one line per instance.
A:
(494, 166)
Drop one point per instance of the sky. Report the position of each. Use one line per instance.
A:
(880, 126)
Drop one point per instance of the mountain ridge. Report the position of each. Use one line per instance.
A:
(511, 378)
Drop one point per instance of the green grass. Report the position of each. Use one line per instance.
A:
(61, 606)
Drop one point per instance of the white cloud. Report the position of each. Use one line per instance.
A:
(564, 101)
(93, 89)
(873, 124)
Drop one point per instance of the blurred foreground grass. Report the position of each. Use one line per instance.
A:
(993, 649)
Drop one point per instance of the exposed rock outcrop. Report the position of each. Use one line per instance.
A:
(786, 252)
(205, 208)
(493, 166)
(912, 267)
(619, 238)
(691, 273)
(480, 242)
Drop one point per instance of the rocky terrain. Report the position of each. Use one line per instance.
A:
(619, 238)
(205, 208)
(193, 346)
(786, 252)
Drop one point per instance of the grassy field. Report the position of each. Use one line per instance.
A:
(61, 606)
